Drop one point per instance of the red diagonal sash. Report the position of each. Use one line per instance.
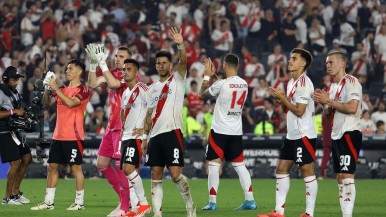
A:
(292, 92)
(162, 100)
(337, 94)
(132, 98)
(358, 67)
(351, 7)
(223, 38)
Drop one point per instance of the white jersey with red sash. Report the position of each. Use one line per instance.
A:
(347, 89)
(166, 98)
(272, 76)
(222, 39)
(300, 91)
(134, 105)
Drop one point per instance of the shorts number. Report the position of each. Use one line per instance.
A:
(345, 160)
(74, 152)
(176, 153)
(130, 152)
(299, 152)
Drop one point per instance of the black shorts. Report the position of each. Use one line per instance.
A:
(131, 152)
(66, 152)
(9, 150)
(301, 151)
(225, 147)
(345, 152)
(165, 149)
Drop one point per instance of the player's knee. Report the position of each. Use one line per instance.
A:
(128, 169)
(52, 168)
(14, 165)
(27, 159)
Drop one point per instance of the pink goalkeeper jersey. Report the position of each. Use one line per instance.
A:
(115, 99)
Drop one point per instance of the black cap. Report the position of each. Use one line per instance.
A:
(11, 72)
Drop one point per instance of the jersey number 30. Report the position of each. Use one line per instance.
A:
(240, 101)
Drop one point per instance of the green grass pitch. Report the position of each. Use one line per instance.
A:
(100, 198)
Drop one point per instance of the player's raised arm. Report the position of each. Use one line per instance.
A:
(176, 35)
(102, 53)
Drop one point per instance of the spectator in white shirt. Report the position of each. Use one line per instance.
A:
(379, 115)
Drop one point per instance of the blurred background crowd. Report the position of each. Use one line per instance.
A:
(42, 35)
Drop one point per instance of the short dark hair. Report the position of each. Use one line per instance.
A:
(79, 64)
(132, 61)
(126, 49)
(305, 54)
(341, 55)
(232, 60)
(164, 53)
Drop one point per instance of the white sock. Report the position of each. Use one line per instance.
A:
(213, 180)
(79, 197)
(50, 195)
(245, 179)
(349, 193)
(137, 187)
(282, 188)
(340, 188)
(311, 192)
(133, 198)
(183, 188)
(156, 196)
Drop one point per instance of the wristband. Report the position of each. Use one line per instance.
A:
(103, 66)
(206, 78)
(11, 111)
(144, 136)
(93, 67)
(180, 47)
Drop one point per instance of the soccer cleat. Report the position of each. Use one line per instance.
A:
(247, 205)
(75, 207)
(211, 206)
(43, 206)
(143, 210)
(271, 214)
(10, 201)
(191, 212)
(115, 212)
(129, 214)
(305, 215)
(21, 198)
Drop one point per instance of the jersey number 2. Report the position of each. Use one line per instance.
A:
(240, 101)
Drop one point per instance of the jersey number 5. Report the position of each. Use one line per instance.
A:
(240, 101)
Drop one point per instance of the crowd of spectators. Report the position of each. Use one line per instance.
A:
(41, 35)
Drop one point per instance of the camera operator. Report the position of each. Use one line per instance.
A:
(13, 148)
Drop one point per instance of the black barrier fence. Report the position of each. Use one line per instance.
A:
(261, 156)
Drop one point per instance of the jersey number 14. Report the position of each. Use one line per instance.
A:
(240, 101)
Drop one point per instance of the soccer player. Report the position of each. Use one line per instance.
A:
(343, 105)
(67, 144)
(164, 123)
(225, 138)
(132, 118)
(110, 147)
(13, 148)
(300, 142)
